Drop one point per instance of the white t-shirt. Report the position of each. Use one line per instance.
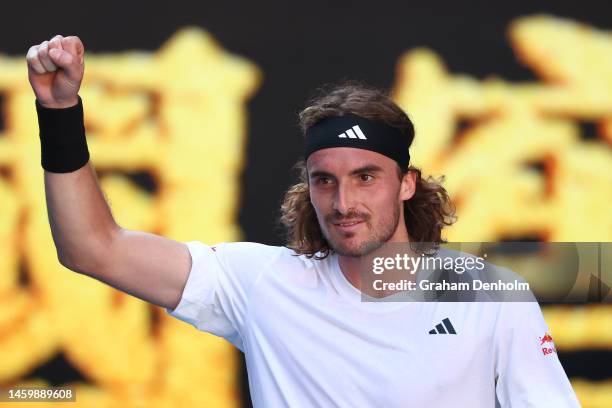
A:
(310, 341)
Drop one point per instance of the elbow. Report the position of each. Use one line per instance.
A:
(70, 264)
(64, 258)
(90, 257)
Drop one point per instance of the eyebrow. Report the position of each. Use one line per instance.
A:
(370, 168)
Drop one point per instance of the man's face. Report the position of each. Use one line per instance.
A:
(358, 198)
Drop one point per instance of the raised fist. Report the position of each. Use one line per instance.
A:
(55, 71)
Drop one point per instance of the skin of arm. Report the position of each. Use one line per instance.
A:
(86, 236)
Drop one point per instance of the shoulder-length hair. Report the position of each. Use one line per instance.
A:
(426, 213)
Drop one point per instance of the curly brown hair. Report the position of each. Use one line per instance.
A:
(426, 213)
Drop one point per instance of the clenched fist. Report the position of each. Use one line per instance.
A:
(55, 71)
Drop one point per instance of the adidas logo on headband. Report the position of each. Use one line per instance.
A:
(353, 133)
(350, 131)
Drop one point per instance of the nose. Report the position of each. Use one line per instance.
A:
(343, 198)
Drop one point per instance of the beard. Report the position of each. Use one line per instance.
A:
(378, 234)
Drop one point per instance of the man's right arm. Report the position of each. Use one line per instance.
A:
(89, 241)
(87, 238)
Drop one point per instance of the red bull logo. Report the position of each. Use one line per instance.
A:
(547, 342)
(546, 339)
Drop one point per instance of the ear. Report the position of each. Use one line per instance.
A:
(408, 186)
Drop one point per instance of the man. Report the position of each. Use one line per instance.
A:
(297, 311)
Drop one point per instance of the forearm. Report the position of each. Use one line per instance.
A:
(81, 222)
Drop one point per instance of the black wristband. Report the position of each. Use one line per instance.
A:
(63, 144)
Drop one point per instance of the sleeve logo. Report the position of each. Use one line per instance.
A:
(546, 342)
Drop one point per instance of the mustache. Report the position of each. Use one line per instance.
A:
(336, 217)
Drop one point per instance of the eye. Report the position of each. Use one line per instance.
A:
(322, 180)
(366, 178)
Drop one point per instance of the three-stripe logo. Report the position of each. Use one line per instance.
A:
(446, 327)
(353, 133)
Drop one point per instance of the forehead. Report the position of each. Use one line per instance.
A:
(339, 160)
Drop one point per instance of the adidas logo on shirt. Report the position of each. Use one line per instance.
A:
(353, 133)
(446, 327)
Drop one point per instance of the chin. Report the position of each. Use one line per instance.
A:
(350, 247)
(343, 251)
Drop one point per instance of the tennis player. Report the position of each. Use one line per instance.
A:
(298, 311)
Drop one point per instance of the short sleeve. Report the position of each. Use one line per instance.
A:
(528, 372)
(215, 297)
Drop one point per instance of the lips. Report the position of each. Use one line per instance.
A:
(348, 225)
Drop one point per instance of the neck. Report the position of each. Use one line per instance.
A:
(350, 265)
